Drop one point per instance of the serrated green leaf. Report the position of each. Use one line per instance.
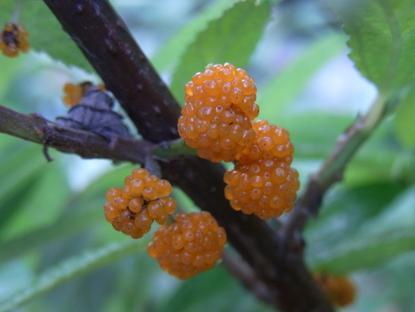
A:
(289, 83)
(45, 32)
(169, 54)
(229, 38)
(405, 120)
(382, 40)
(375, 242)
(70, 269)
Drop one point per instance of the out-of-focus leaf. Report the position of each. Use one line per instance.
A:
(382, 40)
(42, 204)
(405, 120)
(229, 38)
(214, 288)
(22, 169)
(168, 55)
(375, 242)
(289, 83)
(45, 32)
(70, 269)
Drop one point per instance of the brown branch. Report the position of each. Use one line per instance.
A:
(331, 172)
(247, 277)
(111, 50)
(36, 129)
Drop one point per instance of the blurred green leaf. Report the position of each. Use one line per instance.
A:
(229, 38)
(215, 289)
(288, 84)
(169, 54)
(70, 269)
(374, 242)
(382, 40)
(45, 32)
(42, 204)
(405, 120)
(23, 168)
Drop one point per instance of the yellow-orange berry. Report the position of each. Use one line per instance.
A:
(266, 188)
(271, 142)
(74, 92)
(144, 199)
(13, 39)
(219, 107)
(190, 245)
(340, 290)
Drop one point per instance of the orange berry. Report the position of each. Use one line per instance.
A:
(340, 290)
(144, 199)
(74, 92)
(266, 188)
(219, 107)
(270, 142)
(190, 245)
(13, 39)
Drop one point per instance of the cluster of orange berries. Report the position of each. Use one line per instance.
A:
(192, 244)
(340, 290)
(72, 93)
(218, 121)
(189, 244)
(145, 198)
(13, 39)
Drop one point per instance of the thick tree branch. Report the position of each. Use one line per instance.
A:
(332, 170)
(85, 144)
(107, 44)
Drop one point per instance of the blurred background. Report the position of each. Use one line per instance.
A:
(51, 217)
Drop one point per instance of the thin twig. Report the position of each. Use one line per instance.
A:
(247, 277)
(332, 170)
(37, 129)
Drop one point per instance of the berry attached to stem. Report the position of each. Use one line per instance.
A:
(193, 243)
(144, 199)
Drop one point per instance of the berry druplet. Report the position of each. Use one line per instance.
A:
(144, 199)
(13, 39)
(193, 243)
(340, 290)
(266, 188)
(271, 142)
(219, 107)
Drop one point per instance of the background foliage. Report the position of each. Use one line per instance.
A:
(58, 253)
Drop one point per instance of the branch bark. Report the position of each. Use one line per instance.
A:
(331, 171)
(37, 129)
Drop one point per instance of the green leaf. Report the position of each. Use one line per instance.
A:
(45, 32)
(289, 83)
(169, 54)
(375, 242)
(23, 167)
(47, 196)
(229, 38)
(215, 288)
(382, 40)
(405, 120)
(70, 269)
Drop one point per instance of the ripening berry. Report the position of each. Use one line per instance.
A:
(340, 290)
(266, 188)
(190, 245)
(13, 39)
(271, 142)
(219, 107)
(144, 199)
(74, 92)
